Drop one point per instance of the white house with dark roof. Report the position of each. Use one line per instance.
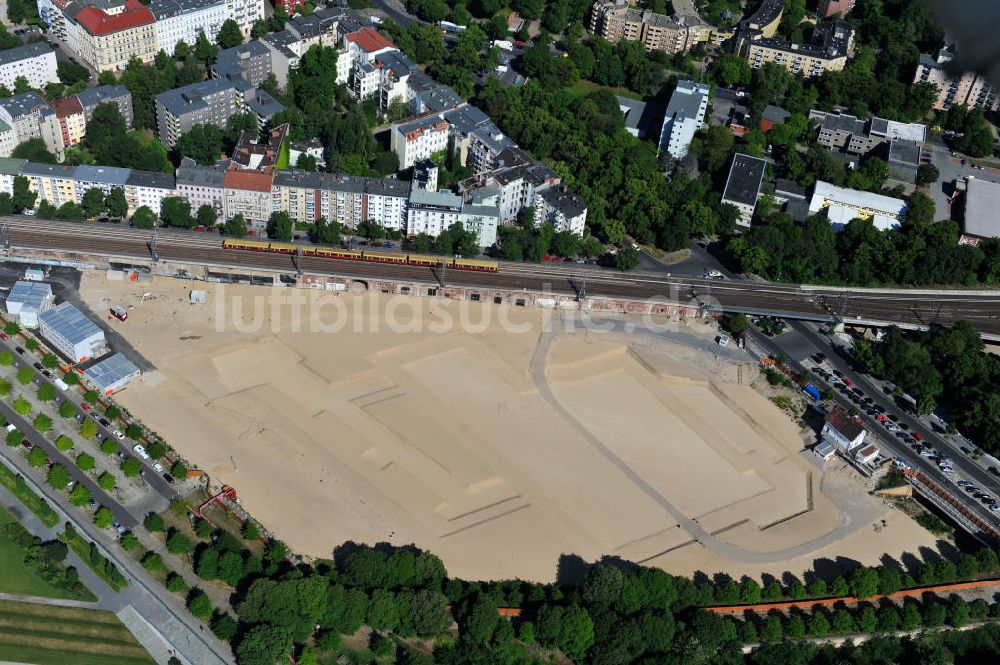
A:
(746, 174)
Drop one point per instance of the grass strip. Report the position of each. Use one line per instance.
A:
(15, 485)
(87, 551)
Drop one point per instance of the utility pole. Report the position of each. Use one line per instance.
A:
(4, 241)
(582, 293)
(297, 261)
(152, 247)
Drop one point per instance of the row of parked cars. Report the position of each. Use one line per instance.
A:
(984, 497)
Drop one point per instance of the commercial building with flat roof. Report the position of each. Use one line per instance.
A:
(904, 160)
(982, 203)
(112, 374)
(843, 205)
(27, 300)
(71, 333)
(743, 185)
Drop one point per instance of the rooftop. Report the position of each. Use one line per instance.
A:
(153, 179)
(191, 97)
(162, 9)
(66, 106)
(49, 170)
(91, 97)
(982, 201)
(369, 40)
(193, 174)
(838, 122)
(11, 165)
(562, 199)
(843, 423)
(30, 294)
(70, 323)
(18, 53)
(856, 197)
(421, 198)
(775, 114)
(686, 100)
(103, 174)
(25, 104)
(745, 176)
(904, 152)
(263, 104)
(110, 371)
(99, 23)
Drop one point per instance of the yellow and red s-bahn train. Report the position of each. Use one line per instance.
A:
(373, 256)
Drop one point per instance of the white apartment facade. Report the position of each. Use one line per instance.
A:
(685, 115)
(417, 139)
(36, 62)
(183, 20)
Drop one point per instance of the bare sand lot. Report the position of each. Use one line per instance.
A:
(403, 425)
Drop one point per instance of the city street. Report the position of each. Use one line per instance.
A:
(803, 340)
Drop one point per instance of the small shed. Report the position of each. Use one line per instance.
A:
(112, 373)
(198, 297)
(27, 300)
(824, 450)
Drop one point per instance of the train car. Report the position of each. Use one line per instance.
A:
(251, 245)
(384, 257)
(430, 260)
(285, 248)
(477, 264)
(334, 253)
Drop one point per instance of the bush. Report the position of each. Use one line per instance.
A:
(179, 470)
(63, 443)
(32, 344)
(153, 522)
(199, 605)
(103, 518)
(176, 583)
(133, 431)
(109, 447)
(179, 508)
(12, 328)
(57, 477)
(129, 541)
(71, 378)
(112, 412)
(224, 626)
(131, 467)
(14, 438)
(37, 457)
(85, 461)
(7, 358)
(106, 481)
(88, 430)
(22, 406)
(5, 387)
(42, 422)
(178, 543)
(25, 375)
(67, 410)
(80, 496)
(50, 361)
(251, 531)
(202, 529)
(156, 449)
(46, 392)
(91, 396)
(152, 561)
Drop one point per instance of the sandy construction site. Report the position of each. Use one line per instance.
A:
(500, 451)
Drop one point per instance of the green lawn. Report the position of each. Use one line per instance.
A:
(36, 504)
(18, 578)
(585, 87)
(45, 635)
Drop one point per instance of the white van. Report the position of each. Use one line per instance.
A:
(140, 451)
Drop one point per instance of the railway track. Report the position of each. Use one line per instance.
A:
(982, 309)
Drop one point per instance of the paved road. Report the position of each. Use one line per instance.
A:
(189, 638)
(396, 10)
(804, 341)
(951, 168)
(855, 516)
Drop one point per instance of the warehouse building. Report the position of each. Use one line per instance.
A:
(27, 300)
(112, 374)
(843, 205)
(71, 333)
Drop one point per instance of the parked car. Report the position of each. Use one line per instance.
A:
(140, 451)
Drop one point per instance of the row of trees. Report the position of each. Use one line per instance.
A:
(942, 365)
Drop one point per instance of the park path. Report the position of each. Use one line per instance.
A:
(855, 516)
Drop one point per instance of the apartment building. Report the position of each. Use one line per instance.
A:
(561, 208)
(385, 75)
(841, 131)
(107, 94)
(307, 196)
(182, 21)
(148, 188)
(323, 27)
(284, 47)
(10, 168)
(107, 34)
(210, 102)
(967, 88)
(28, 117)
(475, 140)
(616, 20)
(72, 120)
(746, 174)
(764, 22)
(200, 185)
(36, 62)
(432, 212)
(245, 65)
(518, 178)
(418, 138)
(55, 183)
(831, 46)
(248, 177)
(104, 178)
(831, 8)
(245, 13)
(684, 115)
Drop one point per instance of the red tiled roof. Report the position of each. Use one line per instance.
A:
(369, 40)
(253, 181)
(845, 424)
(98, 23)
(66, 107)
